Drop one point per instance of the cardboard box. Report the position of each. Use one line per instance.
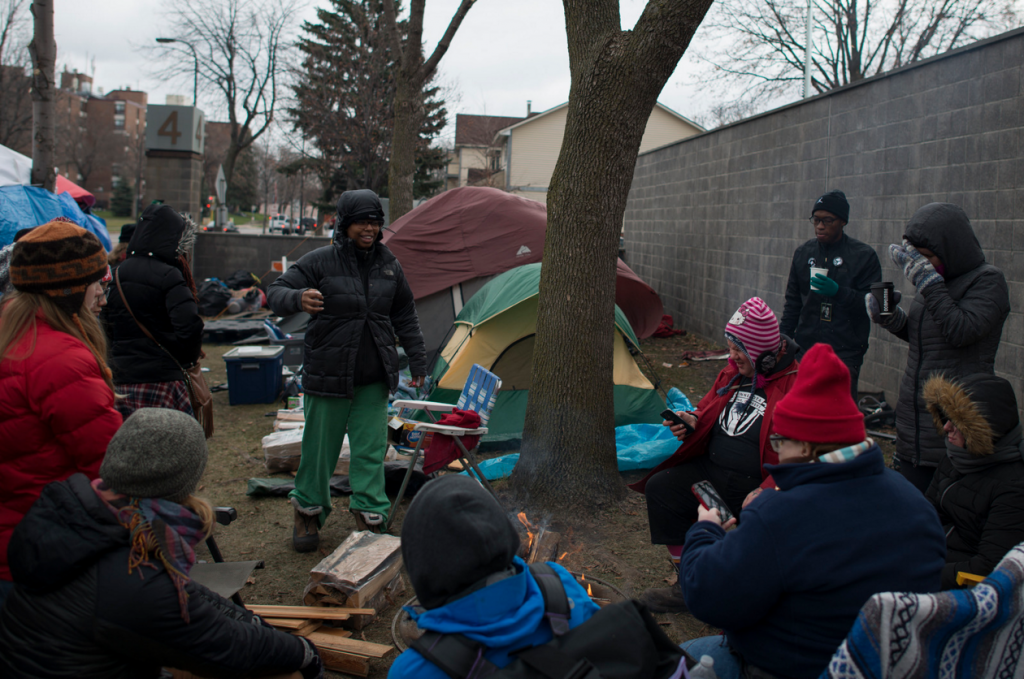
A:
(401, 433)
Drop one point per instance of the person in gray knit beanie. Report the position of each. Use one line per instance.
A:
(158, 453)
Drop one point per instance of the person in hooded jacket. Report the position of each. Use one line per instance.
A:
(159, 291)
(978, 488)
(788, 583)
(459, 549)
(359, 300)
(729, 445)
(953, 326)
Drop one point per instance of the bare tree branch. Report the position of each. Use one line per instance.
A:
(757, 46)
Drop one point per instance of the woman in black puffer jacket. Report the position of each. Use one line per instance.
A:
(158, 287)
(359, 301)
(978, 488)
(953, 326)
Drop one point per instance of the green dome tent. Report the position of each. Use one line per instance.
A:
(497, 328)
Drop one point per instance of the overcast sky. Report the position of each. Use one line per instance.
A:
(506, 52)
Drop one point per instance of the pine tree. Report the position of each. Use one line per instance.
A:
(345, 95)
(121, 200)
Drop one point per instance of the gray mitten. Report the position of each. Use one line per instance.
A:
(893, 323)
(918, 270)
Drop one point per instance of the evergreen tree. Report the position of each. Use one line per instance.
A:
(344, 100)
(121, 200)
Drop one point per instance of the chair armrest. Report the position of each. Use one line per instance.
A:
(225, 515)
(449, 430)
(425, 405)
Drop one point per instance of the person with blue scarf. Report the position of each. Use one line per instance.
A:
(459, 549)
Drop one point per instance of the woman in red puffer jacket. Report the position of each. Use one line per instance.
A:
(56, 396)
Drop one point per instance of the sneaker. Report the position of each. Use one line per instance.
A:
(665, 600)
(370, 521)
(306, 531)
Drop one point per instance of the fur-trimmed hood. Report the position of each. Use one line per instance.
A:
(983, 407)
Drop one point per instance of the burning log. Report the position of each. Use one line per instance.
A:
(545, 547)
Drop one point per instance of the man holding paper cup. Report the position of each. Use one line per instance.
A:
(828, 279)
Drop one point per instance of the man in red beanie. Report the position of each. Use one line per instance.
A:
(788, 583)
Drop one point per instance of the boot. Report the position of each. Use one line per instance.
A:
(665, 600)
(306, 531)
(370, 521)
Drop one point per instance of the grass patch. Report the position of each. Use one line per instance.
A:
(114, 224)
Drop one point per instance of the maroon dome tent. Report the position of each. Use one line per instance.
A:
(454, 243)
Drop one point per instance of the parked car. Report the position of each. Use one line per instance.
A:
(306, 225)
(279, 224)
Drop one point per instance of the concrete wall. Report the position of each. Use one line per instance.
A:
(714, 219)
(221, 254)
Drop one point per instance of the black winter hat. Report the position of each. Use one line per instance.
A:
(834, 202)
(126, 233)
(454, 535)
(359, 204)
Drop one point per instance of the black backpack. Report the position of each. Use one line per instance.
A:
(620, 641)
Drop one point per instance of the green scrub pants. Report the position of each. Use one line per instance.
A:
(365, 417)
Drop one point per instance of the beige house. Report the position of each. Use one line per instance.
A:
(476, 158)
(531, 145)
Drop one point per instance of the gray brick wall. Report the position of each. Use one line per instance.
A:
(714, 219)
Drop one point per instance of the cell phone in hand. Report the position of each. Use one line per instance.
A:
(671, 416)
(710, 499)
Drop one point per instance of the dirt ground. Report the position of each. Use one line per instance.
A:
(613, 545)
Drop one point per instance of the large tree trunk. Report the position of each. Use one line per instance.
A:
(402, 167)
(568, 456)
(44, 54)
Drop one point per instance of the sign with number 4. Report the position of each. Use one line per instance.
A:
(175, 128)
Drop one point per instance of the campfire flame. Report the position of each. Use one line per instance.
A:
(590, 592)
(531, 530)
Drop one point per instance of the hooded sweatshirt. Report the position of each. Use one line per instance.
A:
(506, 616)
(78, 612)
(153, 280)
(952, 327)
(978, 490)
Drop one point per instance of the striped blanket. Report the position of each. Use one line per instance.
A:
(961, 634)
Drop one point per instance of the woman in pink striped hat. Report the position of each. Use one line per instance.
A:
(729, 444)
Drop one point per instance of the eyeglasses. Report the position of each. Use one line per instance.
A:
(362, 224)
(776, 442)
(827, 221)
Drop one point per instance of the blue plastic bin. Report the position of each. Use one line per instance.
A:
(254, 374)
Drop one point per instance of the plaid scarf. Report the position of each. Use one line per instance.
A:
(159, 529)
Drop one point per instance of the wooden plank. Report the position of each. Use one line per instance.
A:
(345, 662)
(332, 631)
(339, 643)
(308, 612)
(286, 623)
(307, 628)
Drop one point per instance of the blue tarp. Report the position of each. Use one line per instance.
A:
(23, 207)
(638, 446)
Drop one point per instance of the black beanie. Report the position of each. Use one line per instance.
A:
(126, 233)
(454, 534)
(834, 202)
(359, 204)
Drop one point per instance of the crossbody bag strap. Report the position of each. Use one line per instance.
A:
(145, 331)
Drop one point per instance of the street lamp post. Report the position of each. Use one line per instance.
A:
(195, 56)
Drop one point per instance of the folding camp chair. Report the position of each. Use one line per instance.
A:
(479, 394)
(226, 578)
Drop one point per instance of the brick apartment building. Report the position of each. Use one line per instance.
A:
(100, 138)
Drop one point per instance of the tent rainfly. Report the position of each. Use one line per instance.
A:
(497, 328)
(456, 242)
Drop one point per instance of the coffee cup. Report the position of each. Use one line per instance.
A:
(817, 270)
(883, 293)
